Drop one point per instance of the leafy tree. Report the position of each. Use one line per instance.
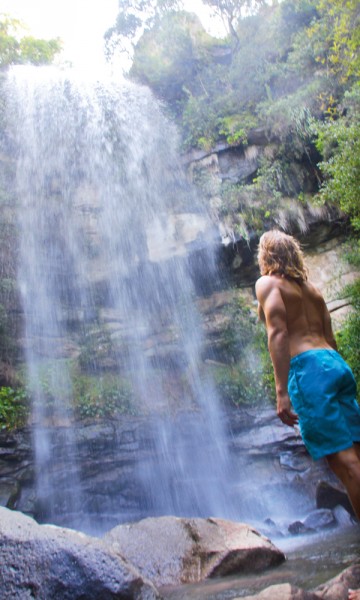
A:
(326, 50)
(348, 338)
(339, 143)
(169, 56)
(135, 17)
(336, 37)
(231, 12)
(9, 46)
(15, 49)
(37, 51)
(14, 407)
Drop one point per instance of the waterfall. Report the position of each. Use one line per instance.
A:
(104, 270)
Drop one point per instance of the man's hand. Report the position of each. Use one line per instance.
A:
(284, 411)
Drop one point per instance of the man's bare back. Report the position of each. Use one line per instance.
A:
(307, 318)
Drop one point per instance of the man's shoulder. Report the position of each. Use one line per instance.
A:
(265, 285)
(268, 282)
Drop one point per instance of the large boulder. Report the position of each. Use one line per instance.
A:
(320, 518)
(44, 562)
(171, 550)
(332, 495)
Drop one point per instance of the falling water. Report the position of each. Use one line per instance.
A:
(102, 202)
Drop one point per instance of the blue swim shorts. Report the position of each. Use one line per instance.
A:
(322, 389)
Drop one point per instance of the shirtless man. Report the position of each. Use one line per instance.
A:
(314, 385)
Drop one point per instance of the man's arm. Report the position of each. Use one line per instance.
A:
(272, 304)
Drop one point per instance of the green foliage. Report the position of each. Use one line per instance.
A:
(135, 18)
(8, 289)
(17, 49)
(200, 125)
(290, 118)
(239, 331)
(235, 128)
(251, 379)
(290, 170)
(251, 73)
(239, 386)
(96, 347)
(267, 372)
(38, 52)
(335, 37)
(85, 395)
(248, 376)
(215, 98)
(231, 12)
(210, 89)
(169, 56)
(352, 253)
(348, 339)
(9, 46)
(306, 56)
(14, 408)
(296, 16)
(7, 345)
(102, 397)
(339, 143)
(49, 383)
(247, 208)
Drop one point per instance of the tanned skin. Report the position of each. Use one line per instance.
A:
(297, 320)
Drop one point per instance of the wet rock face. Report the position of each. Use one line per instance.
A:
(16, 465)
(239, 162)
(170, 550)
(273, 471)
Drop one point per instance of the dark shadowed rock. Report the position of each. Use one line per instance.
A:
(329, 496)
(47, 562)
(171, 550)
(318, 519)
(283, 591)
(298, 528)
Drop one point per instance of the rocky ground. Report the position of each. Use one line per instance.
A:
(136, 561)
